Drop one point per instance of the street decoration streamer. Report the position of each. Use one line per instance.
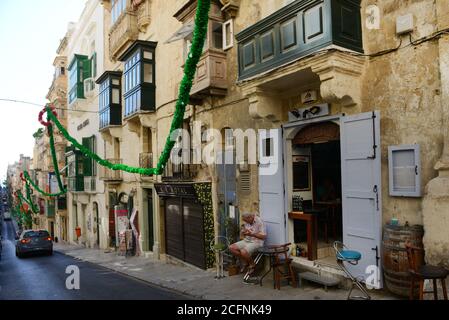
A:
(199, 37)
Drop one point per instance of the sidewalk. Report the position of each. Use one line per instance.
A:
(198, 283)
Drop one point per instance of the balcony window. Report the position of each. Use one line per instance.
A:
(217, 35)
(79, 69)
(89, 165)
(298, 29)
(110, 105)
(118, 7)
(139, 77)
(211, 76)
(75, 178)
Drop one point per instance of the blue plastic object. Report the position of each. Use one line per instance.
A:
(349, 255)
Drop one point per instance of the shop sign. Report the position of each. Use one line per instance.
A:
(315, 111)
(175, 190)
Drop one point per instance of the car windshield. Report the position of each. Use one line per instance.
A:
(35, 234)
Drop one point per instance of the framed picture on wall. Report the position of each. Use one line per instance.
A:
(301, 173)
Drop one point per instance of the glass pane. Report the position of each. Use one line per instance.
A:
(148, 55)
(148, 73)
(404, 170)
(115, 96)
(217, 35)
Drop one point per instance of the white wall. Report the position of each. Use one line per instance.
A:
(87, 38)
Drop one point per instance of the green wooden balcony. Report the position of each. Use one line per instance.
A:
(76, 184)
(51, 210)
(296, 30)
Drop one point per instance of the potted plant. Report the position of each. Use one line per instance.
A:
(233, 234)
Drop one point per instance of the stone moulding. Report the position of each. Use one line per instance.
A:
(143, 10)
(230, 7)
(123, 32)
(339, 73)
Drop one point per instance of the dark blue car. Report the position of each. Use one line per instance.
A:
(34, 241)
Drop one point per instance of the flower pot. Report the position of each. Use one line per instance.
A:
(233, 270)
(78, 231)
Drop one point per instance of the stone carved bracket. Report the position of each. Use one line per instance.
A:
(143, 10)
(230, 7)
(340, 74)
(340, 82)
(264, 104)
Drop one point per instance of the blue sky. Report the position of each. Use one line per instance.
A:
(30, 31)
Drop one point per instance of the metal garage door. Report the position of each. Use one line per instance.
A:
(184, 231)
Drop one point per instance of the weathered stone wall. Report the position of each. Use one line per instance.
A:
(436, 201)
(405, 87)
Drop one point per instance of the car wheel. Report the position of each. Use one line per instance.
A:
(50, 253)
(20, 255)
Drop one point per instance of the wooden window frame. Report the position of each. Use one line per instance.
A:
(226, 45)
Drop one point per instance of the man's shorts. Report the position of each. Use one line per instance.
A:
(250, 247)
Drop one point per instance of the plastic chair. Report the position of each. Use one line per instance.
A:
(343, 254)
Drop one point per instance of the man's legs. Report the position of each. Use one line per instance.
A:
(238, 250)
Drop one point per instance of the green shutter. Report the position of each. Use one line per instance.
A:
(87, 162)
(87, 69)
(93, 62)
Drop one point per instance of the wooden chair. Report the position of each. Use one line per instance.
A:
(282, 265)
(420, 272)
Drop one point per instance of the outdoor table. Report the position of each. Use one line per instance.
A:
(270, 252)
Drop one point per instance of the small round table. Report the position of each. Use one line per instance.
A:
(272, 252)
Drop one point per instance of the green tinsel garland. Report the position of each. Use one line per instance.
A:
(199, 37)
(55, 161)
(27, 201)
(26, 175)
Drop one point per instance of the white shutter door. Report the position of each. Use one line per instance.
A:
(361, 190)
(271, 185)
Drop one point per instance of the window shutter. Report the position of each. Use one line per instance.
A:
(87, 162)
(94, 64)
(87, 69)
(245, 181)
(404, 168)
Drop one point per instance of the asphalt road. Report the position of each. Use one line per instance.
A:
(44, 278)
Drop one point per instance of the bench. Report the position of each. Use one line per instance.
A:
(314, 277)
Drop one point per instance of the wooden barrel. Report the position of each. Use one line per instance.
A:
(395, 262)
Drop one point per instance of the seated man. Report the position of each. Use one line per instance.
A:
(253, 234)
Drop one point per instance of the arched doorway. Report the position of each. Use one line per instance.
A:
(316, 183)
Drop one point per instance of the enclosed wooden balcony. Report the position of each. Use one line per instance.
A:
(300, 29)
(210, 77)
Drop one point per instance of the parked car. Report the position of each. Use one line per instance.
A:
(34, 241)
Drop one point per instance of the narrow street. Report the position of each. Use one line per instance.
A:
(44, 278)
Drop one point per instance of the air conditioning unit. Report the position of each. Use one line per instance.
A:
(89, 87)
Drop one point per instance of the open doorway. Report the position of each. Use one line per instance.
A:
(316, 189)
